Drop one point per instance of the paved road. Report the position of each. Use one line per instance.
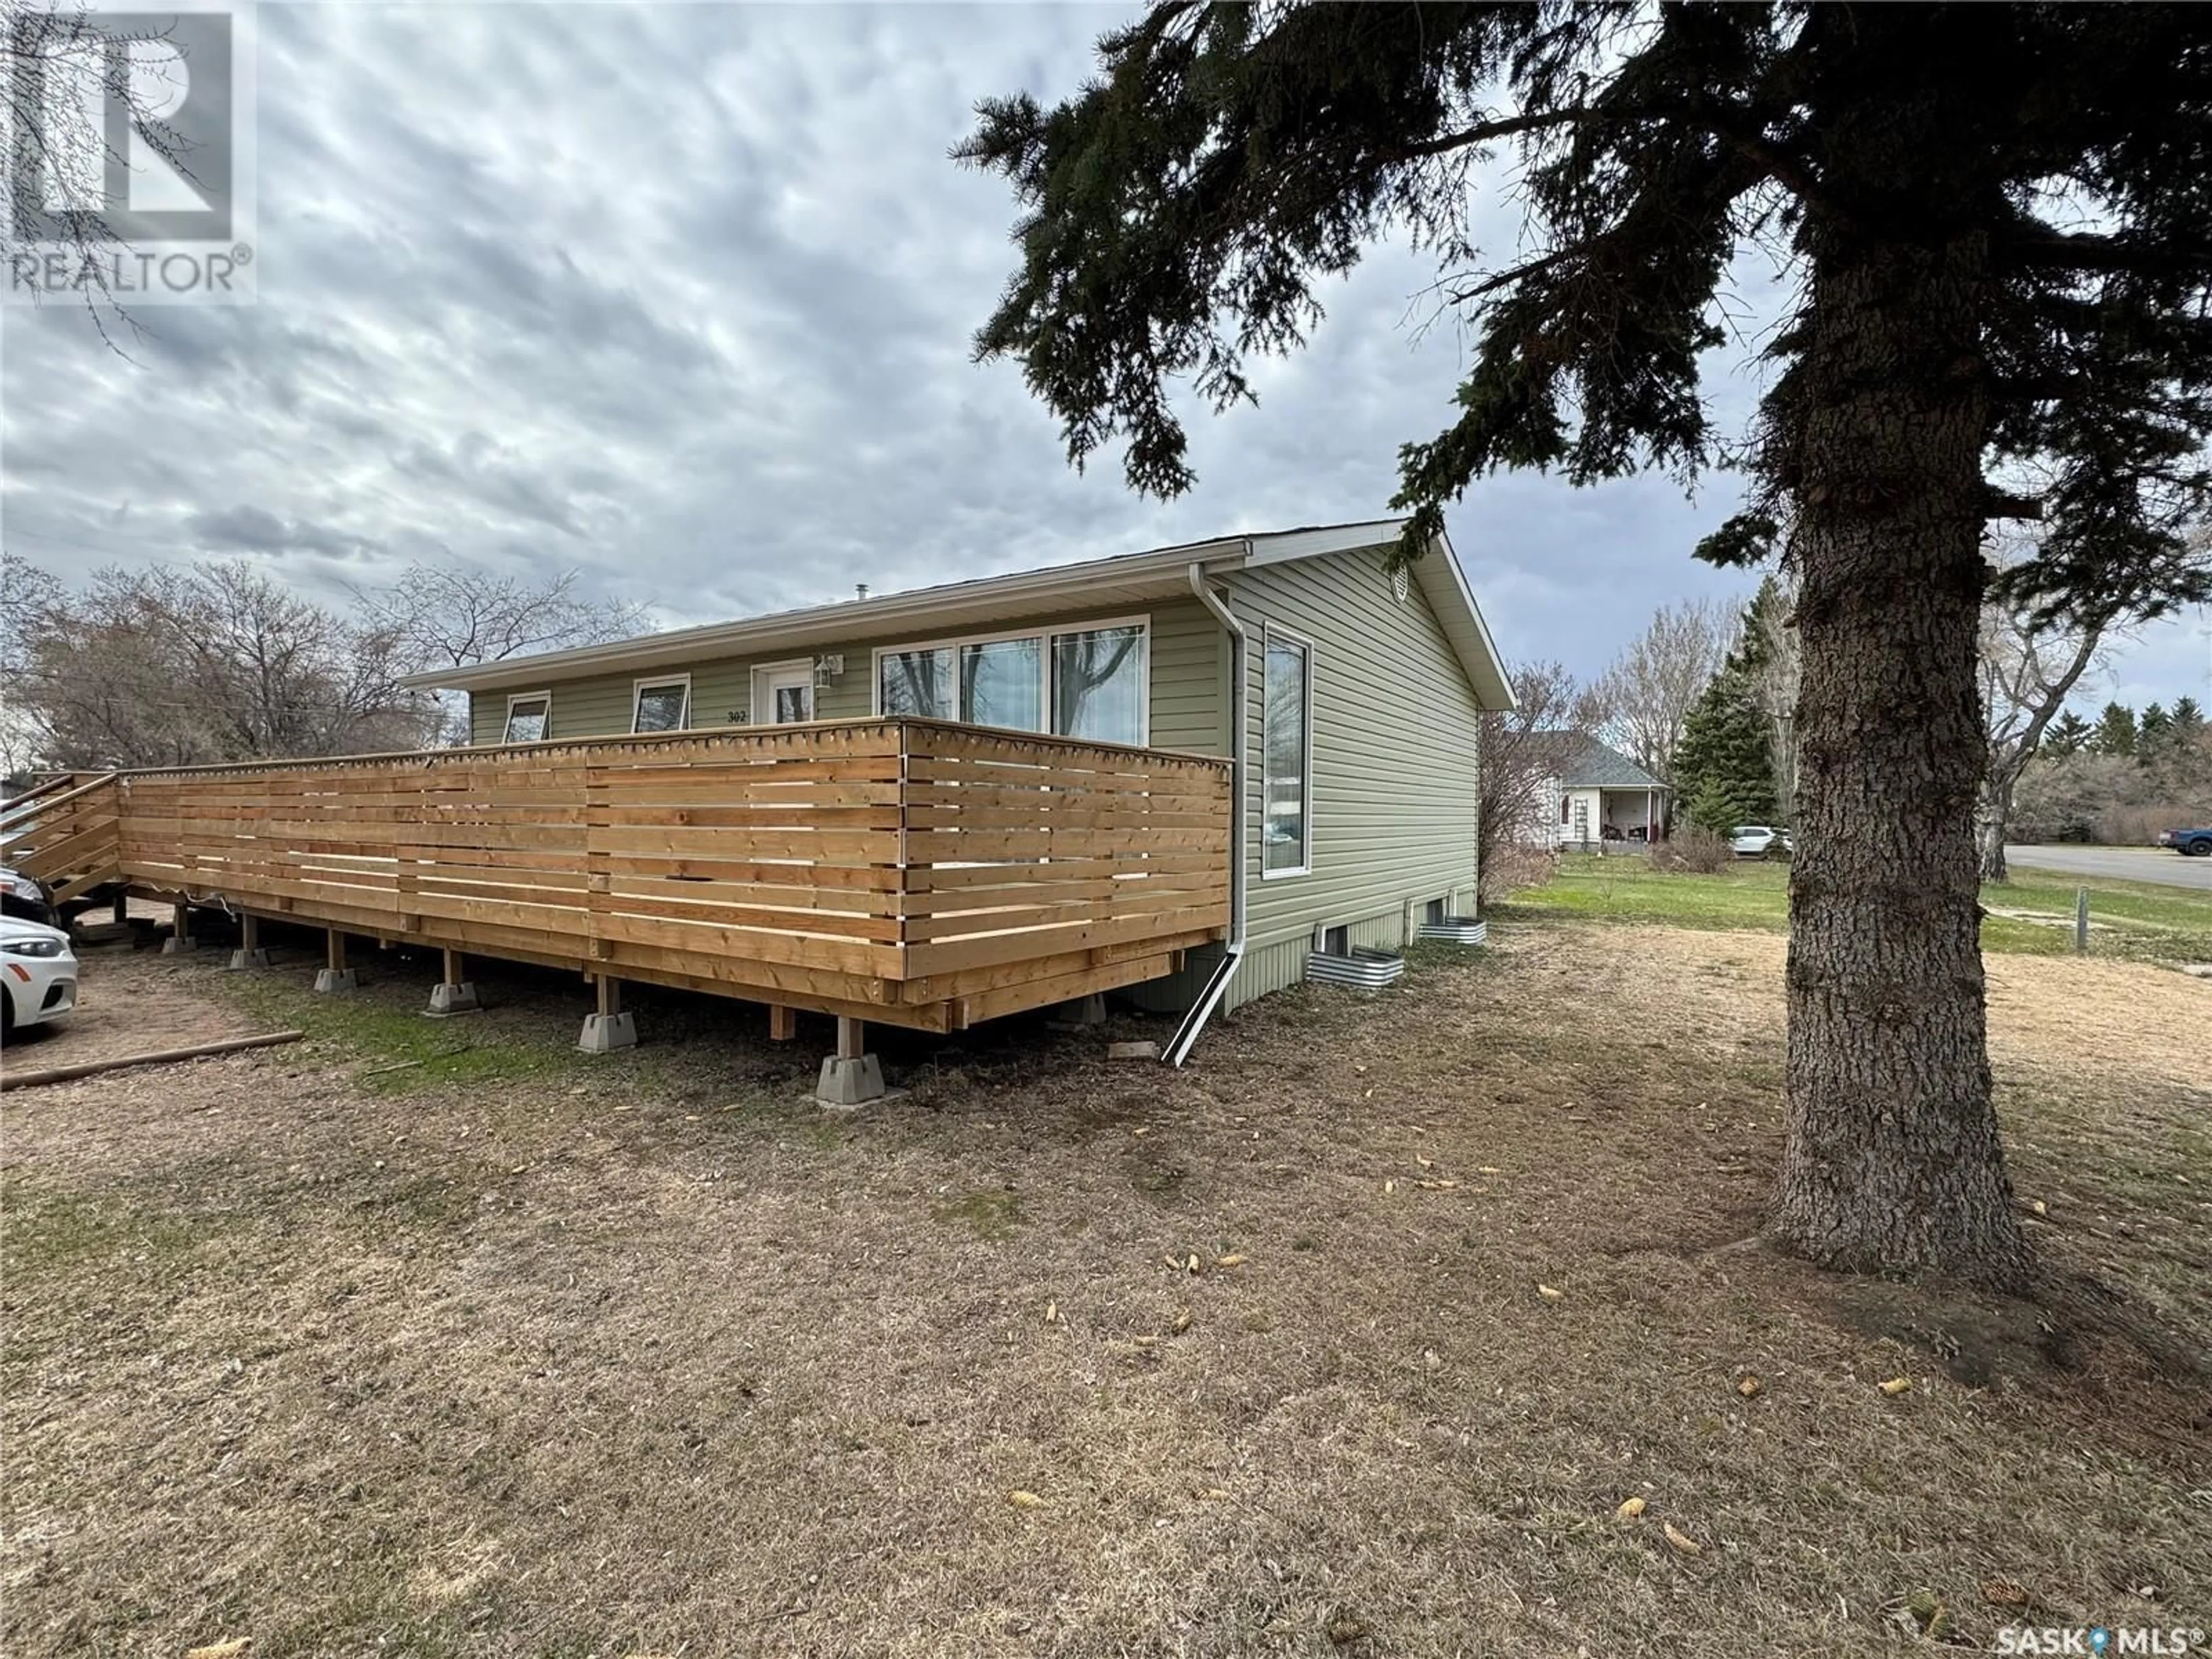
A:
(2157, 864)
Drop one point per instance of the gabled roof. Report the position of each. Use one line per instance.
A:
(1163, 573)
(1590, 764)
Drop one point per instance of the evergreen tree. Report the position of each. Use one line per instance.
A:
(2116, 731)
(2188, 718)
(2153, 732)
(2067, 735)
(1725, 769)
(1995, 217)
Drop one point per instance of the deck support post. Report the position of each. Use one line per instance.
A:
(1080, 1013)
(783, 1022)
(335, 978)
(454, 994)
(249, 953)
(181, 940)
(122, 906)
(610, 1027)
(850, 1076)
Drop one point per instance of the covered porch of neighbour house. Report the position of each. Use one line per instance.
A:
(1595, 818)
(909, 872)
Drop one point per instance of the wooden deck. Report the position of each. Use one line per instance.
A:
(905, 871)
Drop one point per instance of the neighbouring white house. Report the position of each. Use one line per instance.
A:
(1602, 801)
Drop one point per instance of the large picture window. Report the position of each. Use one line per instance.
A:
(1286, 747)
(1098, 684)
(914, 682)
(999, 684)
(1079, 682)
(529, 717)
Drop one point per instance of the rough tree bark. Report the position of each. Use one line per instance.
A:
(1893, 1156)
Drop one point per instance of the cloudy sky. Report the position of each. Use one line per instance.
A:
(681, 296)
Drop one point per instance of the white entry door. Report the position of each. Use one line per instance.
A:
(787, 694)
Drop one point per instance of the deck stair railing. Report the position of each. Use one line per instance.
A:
(67, 832)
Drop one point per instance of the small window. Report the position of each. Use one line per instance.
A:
(1566, 805)
(529, 718)
(1286, 789)
(661, 705)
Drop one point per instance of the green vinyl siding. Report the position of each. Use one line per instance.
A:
(1393, 800)
(1185, 691)
(1392, 804)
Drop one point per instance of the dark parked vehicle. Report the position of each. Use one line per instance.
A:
(24, 899)
(2189, 843)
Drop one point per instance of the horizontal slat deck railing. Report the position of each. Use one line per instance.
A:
(1018, 849)
(908, 871)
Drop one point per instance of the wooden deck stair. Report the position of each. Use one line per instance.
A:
(64, 832)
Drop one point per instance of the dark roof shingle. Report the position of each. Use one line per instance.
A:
(1593, 765)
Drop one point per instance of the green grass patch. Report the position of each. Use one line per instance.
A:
(992, 1213)
(2031, 914)
(61, 1233)
(403, 1050)
(1753, 894)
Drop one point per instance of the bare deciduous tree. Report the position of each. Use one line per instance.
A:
(2027, 671)
(166, 667)
(27, 593)
(1780, 669)
(450, 617)
(61, 73)
(1520, 755)
(1645, 697)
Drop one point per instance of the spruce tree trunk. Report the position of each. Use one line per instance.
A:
(1893, 1161)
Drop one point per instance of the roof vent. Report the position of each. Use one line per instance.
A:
(860, 590)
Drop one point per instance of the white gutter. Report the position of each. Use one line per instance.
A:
(1217, 984)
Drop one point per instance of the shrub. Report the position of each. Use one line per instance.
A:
(2139, 826)
(1511, 866)
(1694, 851)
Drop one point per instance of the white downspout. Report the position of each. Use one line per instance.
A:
(1217, 984)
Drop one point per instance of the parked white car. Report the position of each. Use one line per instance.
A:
(1756, 841)
(37, 974)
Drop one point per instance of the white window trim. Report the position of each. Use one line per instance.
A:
(507, 730)
(1044, 636)
(638, 687)
(763, 709)
(1271, 636)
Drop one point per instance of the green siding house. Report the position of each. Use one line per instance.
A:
(1346, 695)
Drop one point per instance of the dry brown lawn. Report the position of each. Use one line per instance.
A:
(492, 1349)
